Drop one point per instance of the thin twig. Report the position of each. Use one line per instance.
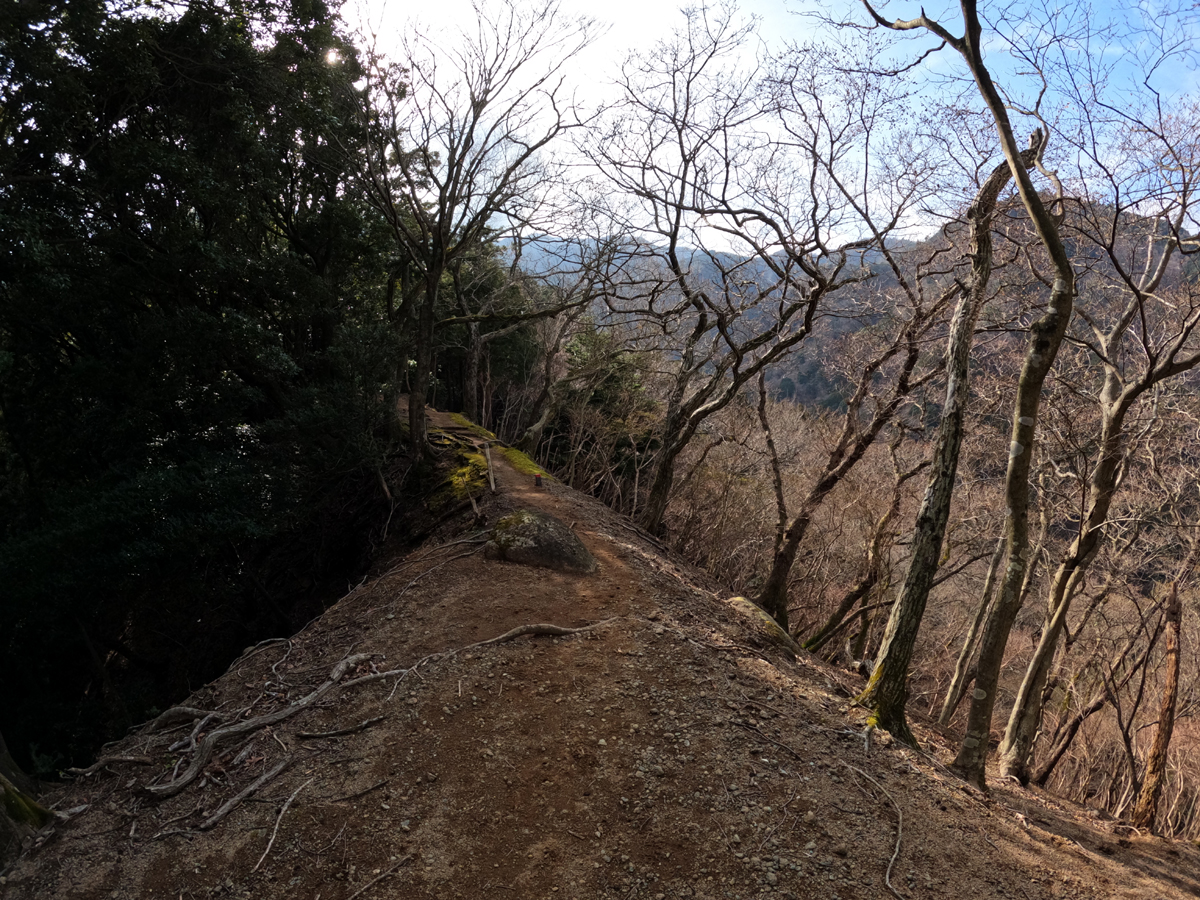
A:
(374, 881)
(353, 729)
(783, 746)
(519, 631)
(357, 794)
(279, 819)
(887, 877)
(432, 569)
(109, 760)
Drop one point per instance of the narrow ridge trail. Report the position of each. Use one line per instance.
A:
(665, 750)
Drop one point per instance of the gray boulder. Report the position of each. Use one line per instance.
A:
(534, 538)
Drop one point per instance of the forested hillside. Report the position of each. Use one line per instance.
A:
(891, 335)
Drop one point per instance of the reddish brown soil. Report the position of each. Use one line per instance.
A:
(662, 753)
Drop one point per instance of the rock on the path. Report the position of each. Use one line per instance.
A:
(533, 538)
(765, 625)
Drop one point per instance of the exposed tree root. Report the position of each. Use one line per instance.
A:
(234, 801)
(180, 715)
(205, 749)
(353, 729)
(226, 733)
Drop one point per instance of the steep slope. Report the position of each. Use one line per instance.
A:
(662, 750)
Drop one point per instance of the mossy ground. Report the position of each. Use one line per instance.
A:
(522, 463)
(478, 430)
(466, 478)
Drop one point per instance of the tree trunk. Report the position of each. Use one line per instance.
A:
(850, 448)
(471, 376)
(1046, 335)
(10, 770)
(960, 678)
(1146, 809)
(774, 596)
(886, 693)
(1045, 338)
(418, 396)
(664, 476)
(1026, 716)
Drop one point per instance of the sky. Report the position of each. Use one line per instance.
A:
(626, 25)
(630, 25)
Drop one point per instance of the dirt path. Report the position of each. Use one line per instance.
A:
(664, 753)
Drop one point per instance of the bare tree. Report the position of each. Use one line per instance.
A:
(1141, 334)
(1045, 338)
(886, 693)
(459, 130)
(744, 235)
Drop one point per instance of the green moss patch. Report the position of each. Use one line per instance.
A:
(478, 430)
(469, 477)
(522, 463)
(22, 808)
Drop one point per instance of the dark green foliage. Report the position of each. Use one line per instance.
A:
(194, 366)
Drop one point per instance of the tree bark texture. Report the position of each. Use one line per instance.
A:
(471, 376)
(886, 692)
(1115, 402)
(1046, 336)
(960, 678)
(1146, 809)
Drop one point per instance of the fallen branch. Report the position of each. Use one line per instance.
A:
(378, 878)
(491, 471)
(232, 802)
(275, 830)
(106, 761)
(887, 877)
(353, 729)
(225, 733)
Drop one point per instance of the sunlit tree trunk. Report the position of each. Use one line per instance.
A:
(886, 693)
